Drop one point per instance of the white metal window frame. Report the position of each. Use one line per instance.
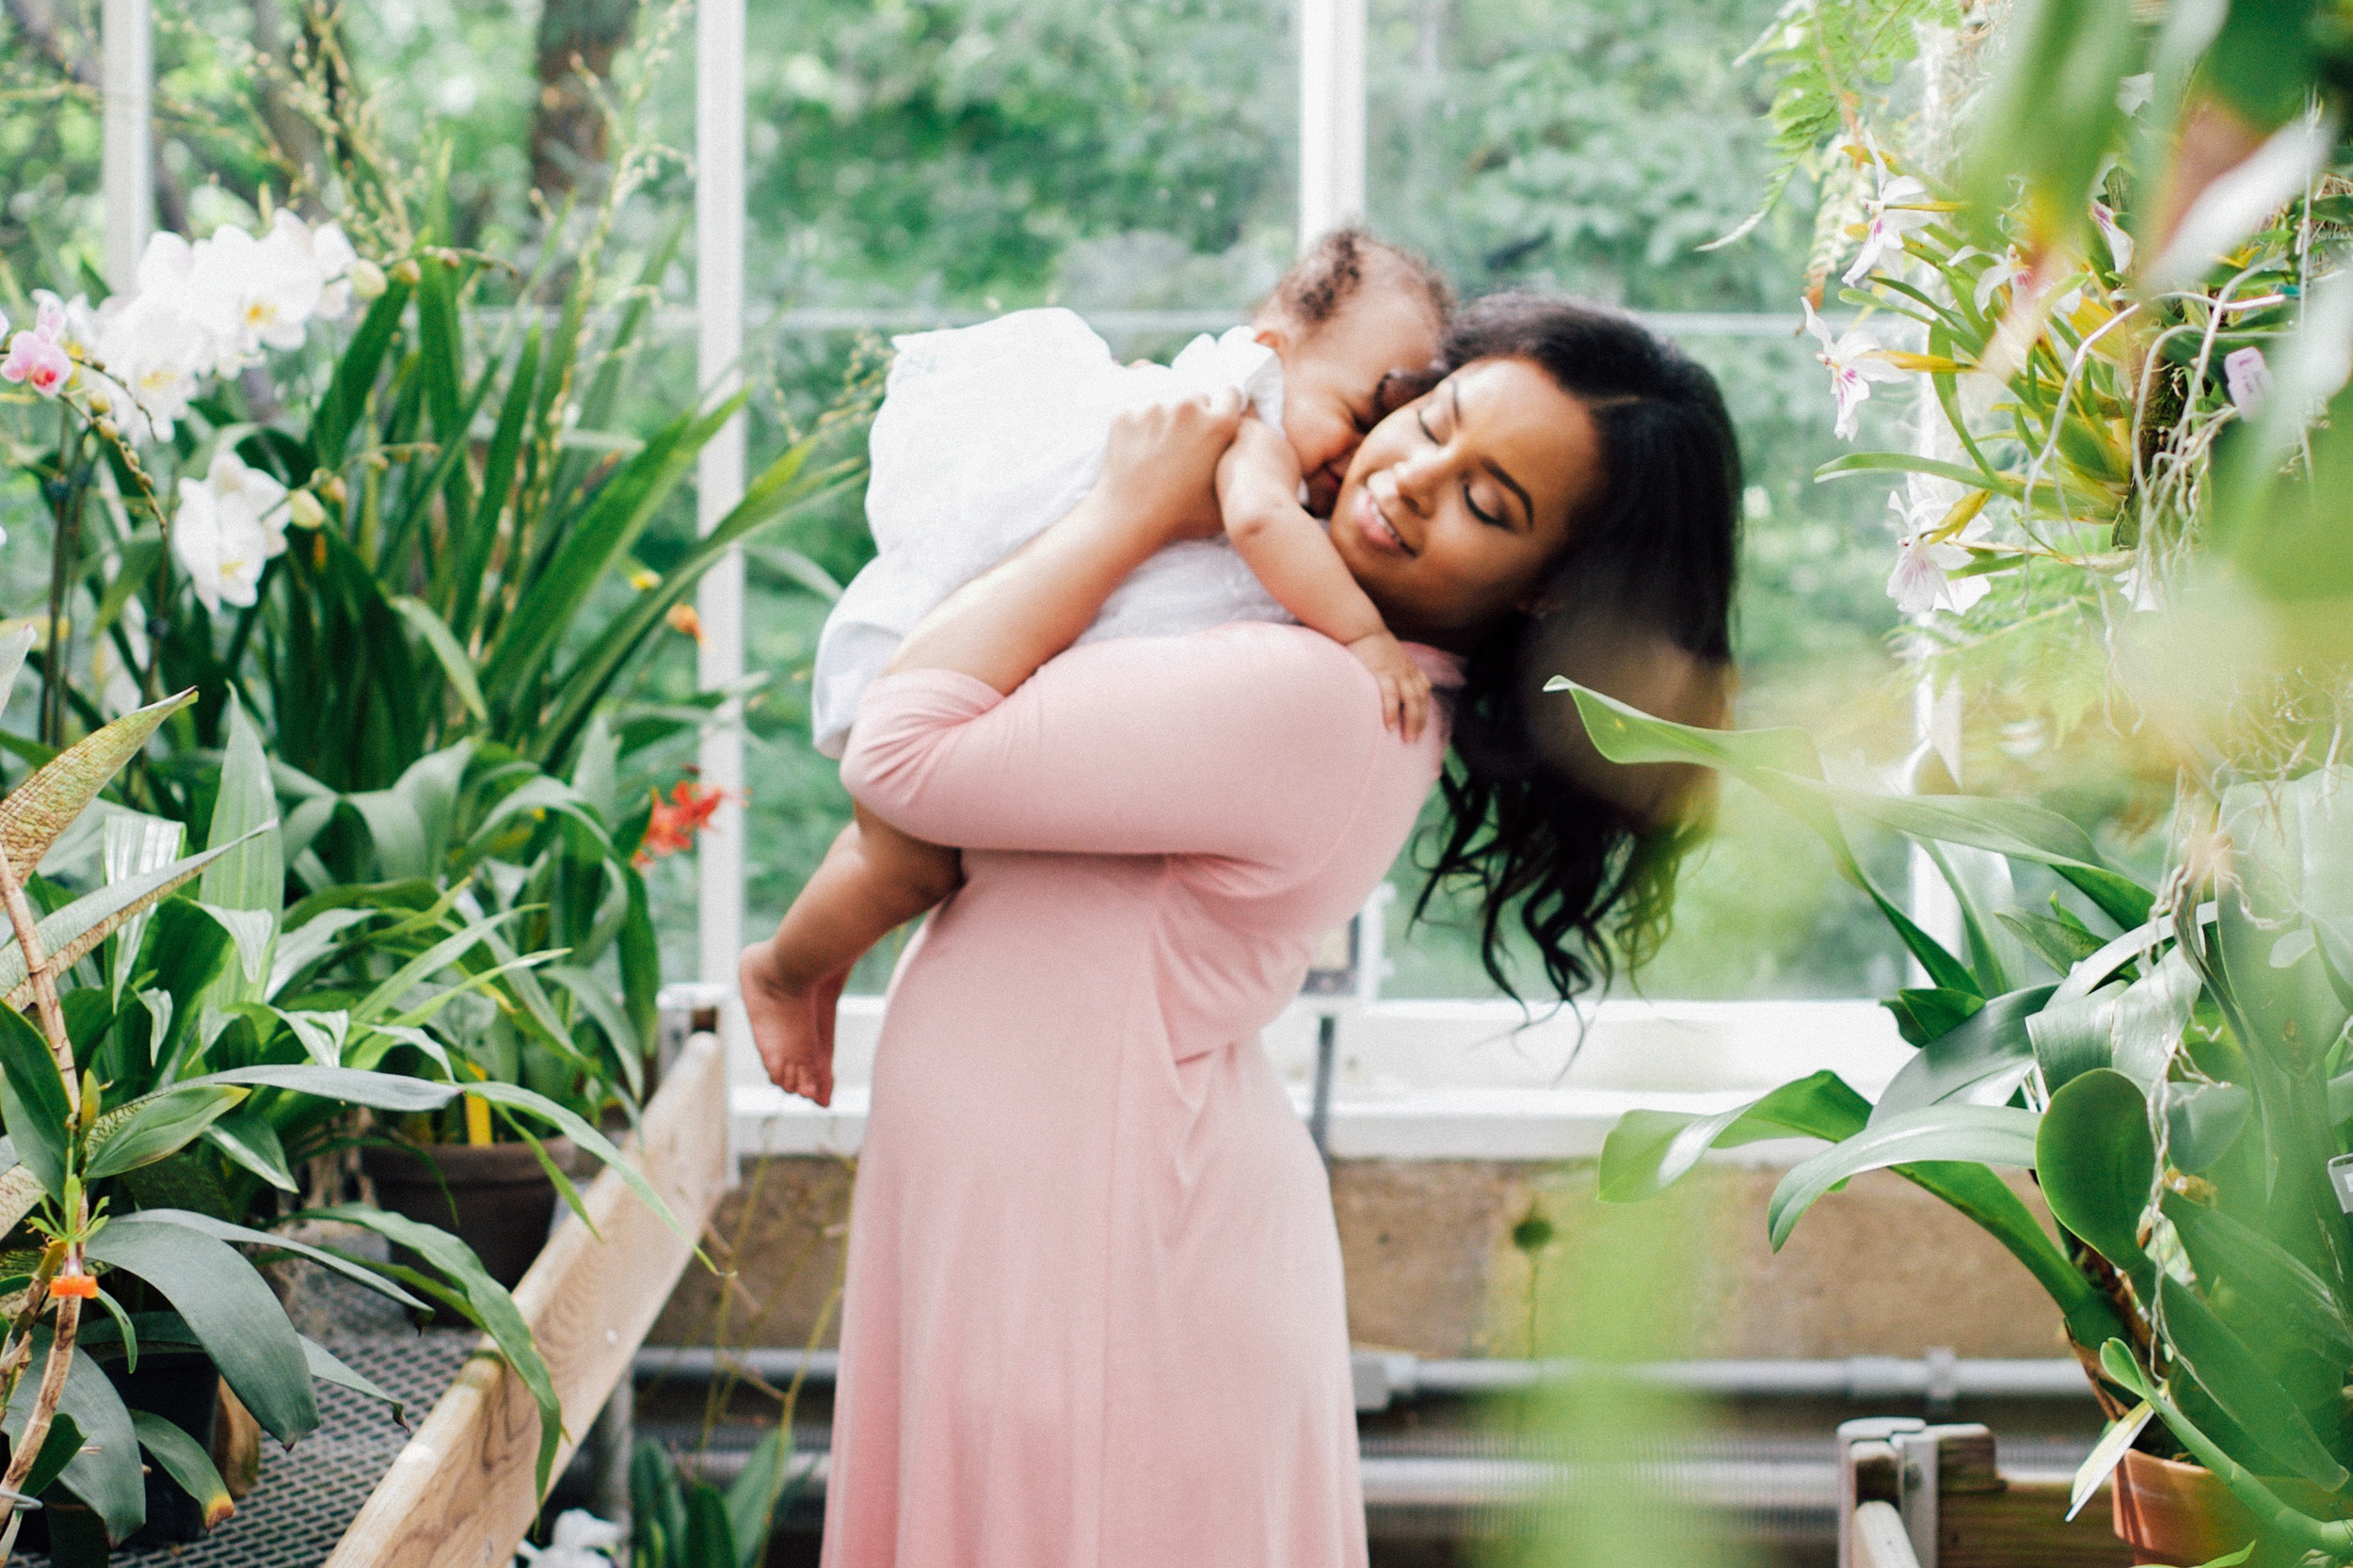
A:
(1416, 1080)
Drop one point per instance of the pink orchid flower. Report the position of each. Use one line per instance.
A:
(38, 358)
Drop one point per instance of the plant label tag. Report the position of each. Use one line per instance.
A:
(2341, 1178)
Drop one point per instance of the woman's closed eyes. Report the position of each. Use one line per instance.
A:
(1492, 517)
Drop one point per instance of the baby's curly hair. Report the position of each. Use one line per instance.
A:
(1335, 269)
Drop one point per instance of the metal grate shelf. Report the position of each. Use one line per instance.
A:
(307, 1496)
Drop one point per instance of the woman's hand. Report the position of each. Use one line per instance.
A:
(1161, 464)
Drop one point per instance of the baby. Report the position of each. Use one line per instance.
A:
(987, 435)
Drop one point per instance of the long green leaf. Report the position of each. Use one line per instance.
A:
(752, 1496)
(444, 644)
(493, 1307)
(248, 1139)
(36, 811)
(186, 1462)
(76, 931)
(469, 582)
(325, 1367)
(1979, 1134)
(515, 1097)
(105, 1472)
(352, 1085)
(221, 1230)
(338, 410)
(1650, 1150)
(2238, 1381)
(32, 1098)
(231, 1309)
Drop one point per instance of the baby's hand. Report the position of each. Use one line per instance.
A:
(1260, 471)
(1404, 689)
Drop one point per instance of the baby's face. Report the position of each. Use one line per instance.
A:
(1331, 373)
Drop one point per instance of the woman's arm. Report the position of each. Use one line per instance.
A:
(1156, 486)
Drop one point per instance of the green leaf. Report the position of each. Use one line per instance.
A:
(1650, 1150)
(250, 1139)
(36, 811)
(2244, 1389)
(378, 1002)
(2259, 1272)
(104, 1470)
(58, 1449)
(135, 843)
(515, 1098)
(352, 1085)
(710, 1533)
(326, 1368)
(1982, 1060)
(32, 1098)
(469, 555)
(491, 1305)
(1904, 462)
(346, 395)
(74, 932)
(155, 1126)
(751, 1497)
(12, 651)
(231, 1309)
(1978, 1135)
(1928, 1013)
(186, 1462)
(249, 874)
(2203, 1121)
(455, 664)
(2097, 1162)
(221, 1230)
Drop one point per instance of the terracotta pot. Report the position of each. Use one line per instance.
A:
(504, 1200)
(2172, 1512)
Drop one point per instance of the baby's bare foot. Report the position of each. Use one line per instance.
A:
(796, 1043)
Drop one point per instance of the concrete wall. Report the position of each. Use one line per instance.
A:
(1882, 1269)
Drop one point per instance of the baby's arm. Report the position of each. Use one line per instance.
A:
(873, 880)
(1257, 489)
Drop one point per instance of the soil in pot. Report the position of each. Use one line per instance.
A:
(503, 1202)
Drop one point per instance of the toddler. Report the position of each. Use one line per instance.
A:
(986, 436)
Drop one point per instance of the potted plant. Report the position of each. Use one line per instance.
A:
(2128, 447)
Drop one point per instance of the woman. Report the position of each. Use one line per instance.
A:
(1094, 1312)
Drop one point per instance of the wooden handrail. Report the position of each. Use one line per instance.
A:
(461, 1494)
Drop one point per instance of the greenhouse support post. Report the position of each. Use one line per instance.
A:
(719, 43)
(1330, 116)
(127, 80)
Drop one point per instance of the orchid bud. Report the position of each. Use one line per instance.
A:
(332, 487)
(101, 404)
(304, 511)
(407, 272)
(106, 429)
(367, 280)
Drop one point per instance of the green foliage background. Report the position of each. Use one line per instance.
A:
(953, 156)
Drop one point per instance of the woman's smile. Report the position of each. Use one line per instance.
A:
(1372, 519)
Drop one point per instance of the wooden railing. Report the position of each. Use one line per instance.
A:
(1914, 1495)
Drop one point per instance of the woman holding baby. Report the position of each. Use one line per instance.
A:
(1095, 1308)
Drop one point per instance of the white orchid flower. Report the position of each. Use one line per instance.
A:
(1924, 558)
(1899, 207)
(331, 252)
(2247, 375)
(253, 294)
(251, 497)
(580, 1540)
(222, 552)
(1855, 360)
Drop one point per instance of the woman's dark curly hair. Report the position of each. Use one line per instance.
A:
(1588, 874)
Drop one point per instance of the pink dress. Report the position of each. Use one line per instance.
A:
(1094, 1313)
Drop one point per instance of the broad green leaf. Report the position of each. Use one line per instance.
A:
(545, 793)
(306, 944)
(751, 1497)
(248, 875)
(431, 785)
(2061, 944)
(252, 931)
(221, 1230)
(1980, 1134)
(2264, 1274)
(2097, 1162)
(440, 955)
(45, 804)
(491, 1305)
(102, 1471)
(156, 1125)
(73, 932)
(2073, 1035)
(599, 1003)
(32, 1098)
(455, 666)
(58, 1449)
(1982, 1061)
(322, 1033)
(2106, 1455)
(395, 830)
(186, 1462)
(1650, 1150)
(2202, 1121)
(231, 1310)
(517, 1098)
(2239, 1382)
(248, 1139)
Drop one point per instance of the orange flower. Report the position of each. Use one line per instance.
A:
(73, 1285)
(682, 617)
(676, 819)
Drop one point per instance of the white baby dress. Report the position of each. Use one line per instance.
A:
(988, 434)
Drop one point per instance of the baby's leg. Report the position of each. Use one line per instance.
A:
(874, 879)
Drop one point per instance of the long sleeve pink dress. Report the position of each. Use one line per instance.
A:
(1095, 1314)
